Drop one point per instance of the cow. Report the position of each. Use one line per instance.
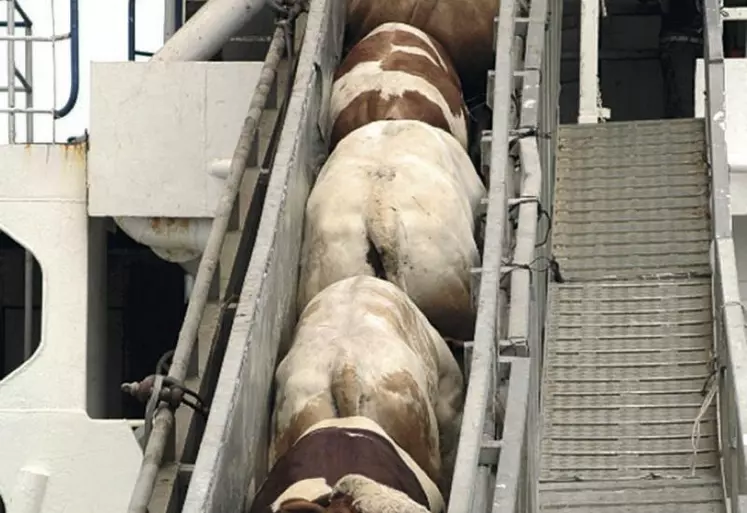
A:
(362, 348)
(398, 200)
(347, 465)
(397, 72)
(463, 27)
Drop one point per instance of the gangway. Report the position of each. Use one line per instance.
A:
(629, 347)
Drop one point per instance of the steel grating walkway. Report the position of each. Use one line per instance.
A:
(628, 336)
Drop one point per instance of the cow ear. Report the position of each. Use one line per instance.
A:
(300, 506)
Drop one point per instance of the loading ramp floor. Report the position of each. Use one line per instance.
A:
(628, 347)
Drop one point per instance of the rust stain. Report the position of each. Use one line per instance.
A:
(166, 224)
(75, 152)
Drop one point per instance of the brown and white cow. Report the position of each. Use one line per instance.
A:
(398, 200)
(347, 465)
(463, 27)
(397, 72)
(362, 348)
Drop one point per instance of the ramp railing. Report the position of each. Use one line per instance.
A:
(729, 319)
(495, 470)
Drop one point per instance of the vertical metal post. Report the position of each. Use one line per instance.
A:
(170, 22)
(29, 75)
(11, 17)
(28, 275)
(589, 62)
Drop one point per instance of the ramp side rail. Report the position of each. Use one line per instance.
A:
(729, 328)
(528, 69)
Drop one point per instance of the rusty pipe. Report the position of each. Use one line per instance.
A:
(175, 239)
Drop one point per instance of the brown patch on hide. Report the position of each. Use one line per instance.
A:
(341, 504)
(300, 506)
(370, 106)
(379, 48)
(408, 421)
(333, 452)
(464, 28)
(314, 411)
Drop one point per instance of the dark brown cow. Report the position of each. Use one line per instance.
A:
(347, 465)
(397, 72)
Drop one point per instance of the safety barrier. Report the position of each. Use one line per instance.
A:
(729, 328)
(520, 147)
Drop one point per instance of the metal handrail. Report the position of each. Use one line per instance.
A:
(132, 51)
(484, 361)
(729, 315)
(29, 38)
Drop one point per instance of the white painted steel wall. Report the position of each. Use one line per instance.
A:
(736, 127)
(162, 134)
(56, 458)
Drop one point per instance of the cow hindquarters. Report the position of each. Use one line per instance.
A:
(402, 409)
(290, 419)
(335, 246)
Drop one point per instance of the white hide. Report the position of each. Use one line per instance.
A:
(368, 76)
(358, 323)
(410, 188)
(355, 485)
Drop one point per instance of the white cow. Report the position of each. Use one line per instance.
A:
(397, 199)
(362, 348)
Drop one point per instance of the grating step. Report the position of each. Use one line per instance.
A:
(655, 495)
(628, 350)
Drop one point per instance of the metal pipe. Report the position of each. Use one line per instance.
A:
(22, 12)
(199, 39)
(28, 274)
(169, 19)
(208, 30)
(178, 14)
(28, 83)
(24, 110)
(131, 30)
(164, 418)
(10, 16)
(74, 63)
(173, 239)
(36, 39)
(589, 62)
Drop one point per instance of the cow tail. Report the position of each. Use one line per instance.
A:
(384, 248)
(346, 392)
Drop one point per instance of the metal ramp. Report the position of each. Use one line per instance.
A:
(628, 350)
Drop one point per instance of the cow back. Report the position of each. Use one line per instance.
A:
(333, 449)
(397, 72)
(463, 27)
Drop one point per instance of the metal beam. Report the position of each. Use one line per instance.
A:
(208, 30)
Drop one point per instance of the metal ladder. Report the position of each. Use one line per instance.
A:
(629, 347)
